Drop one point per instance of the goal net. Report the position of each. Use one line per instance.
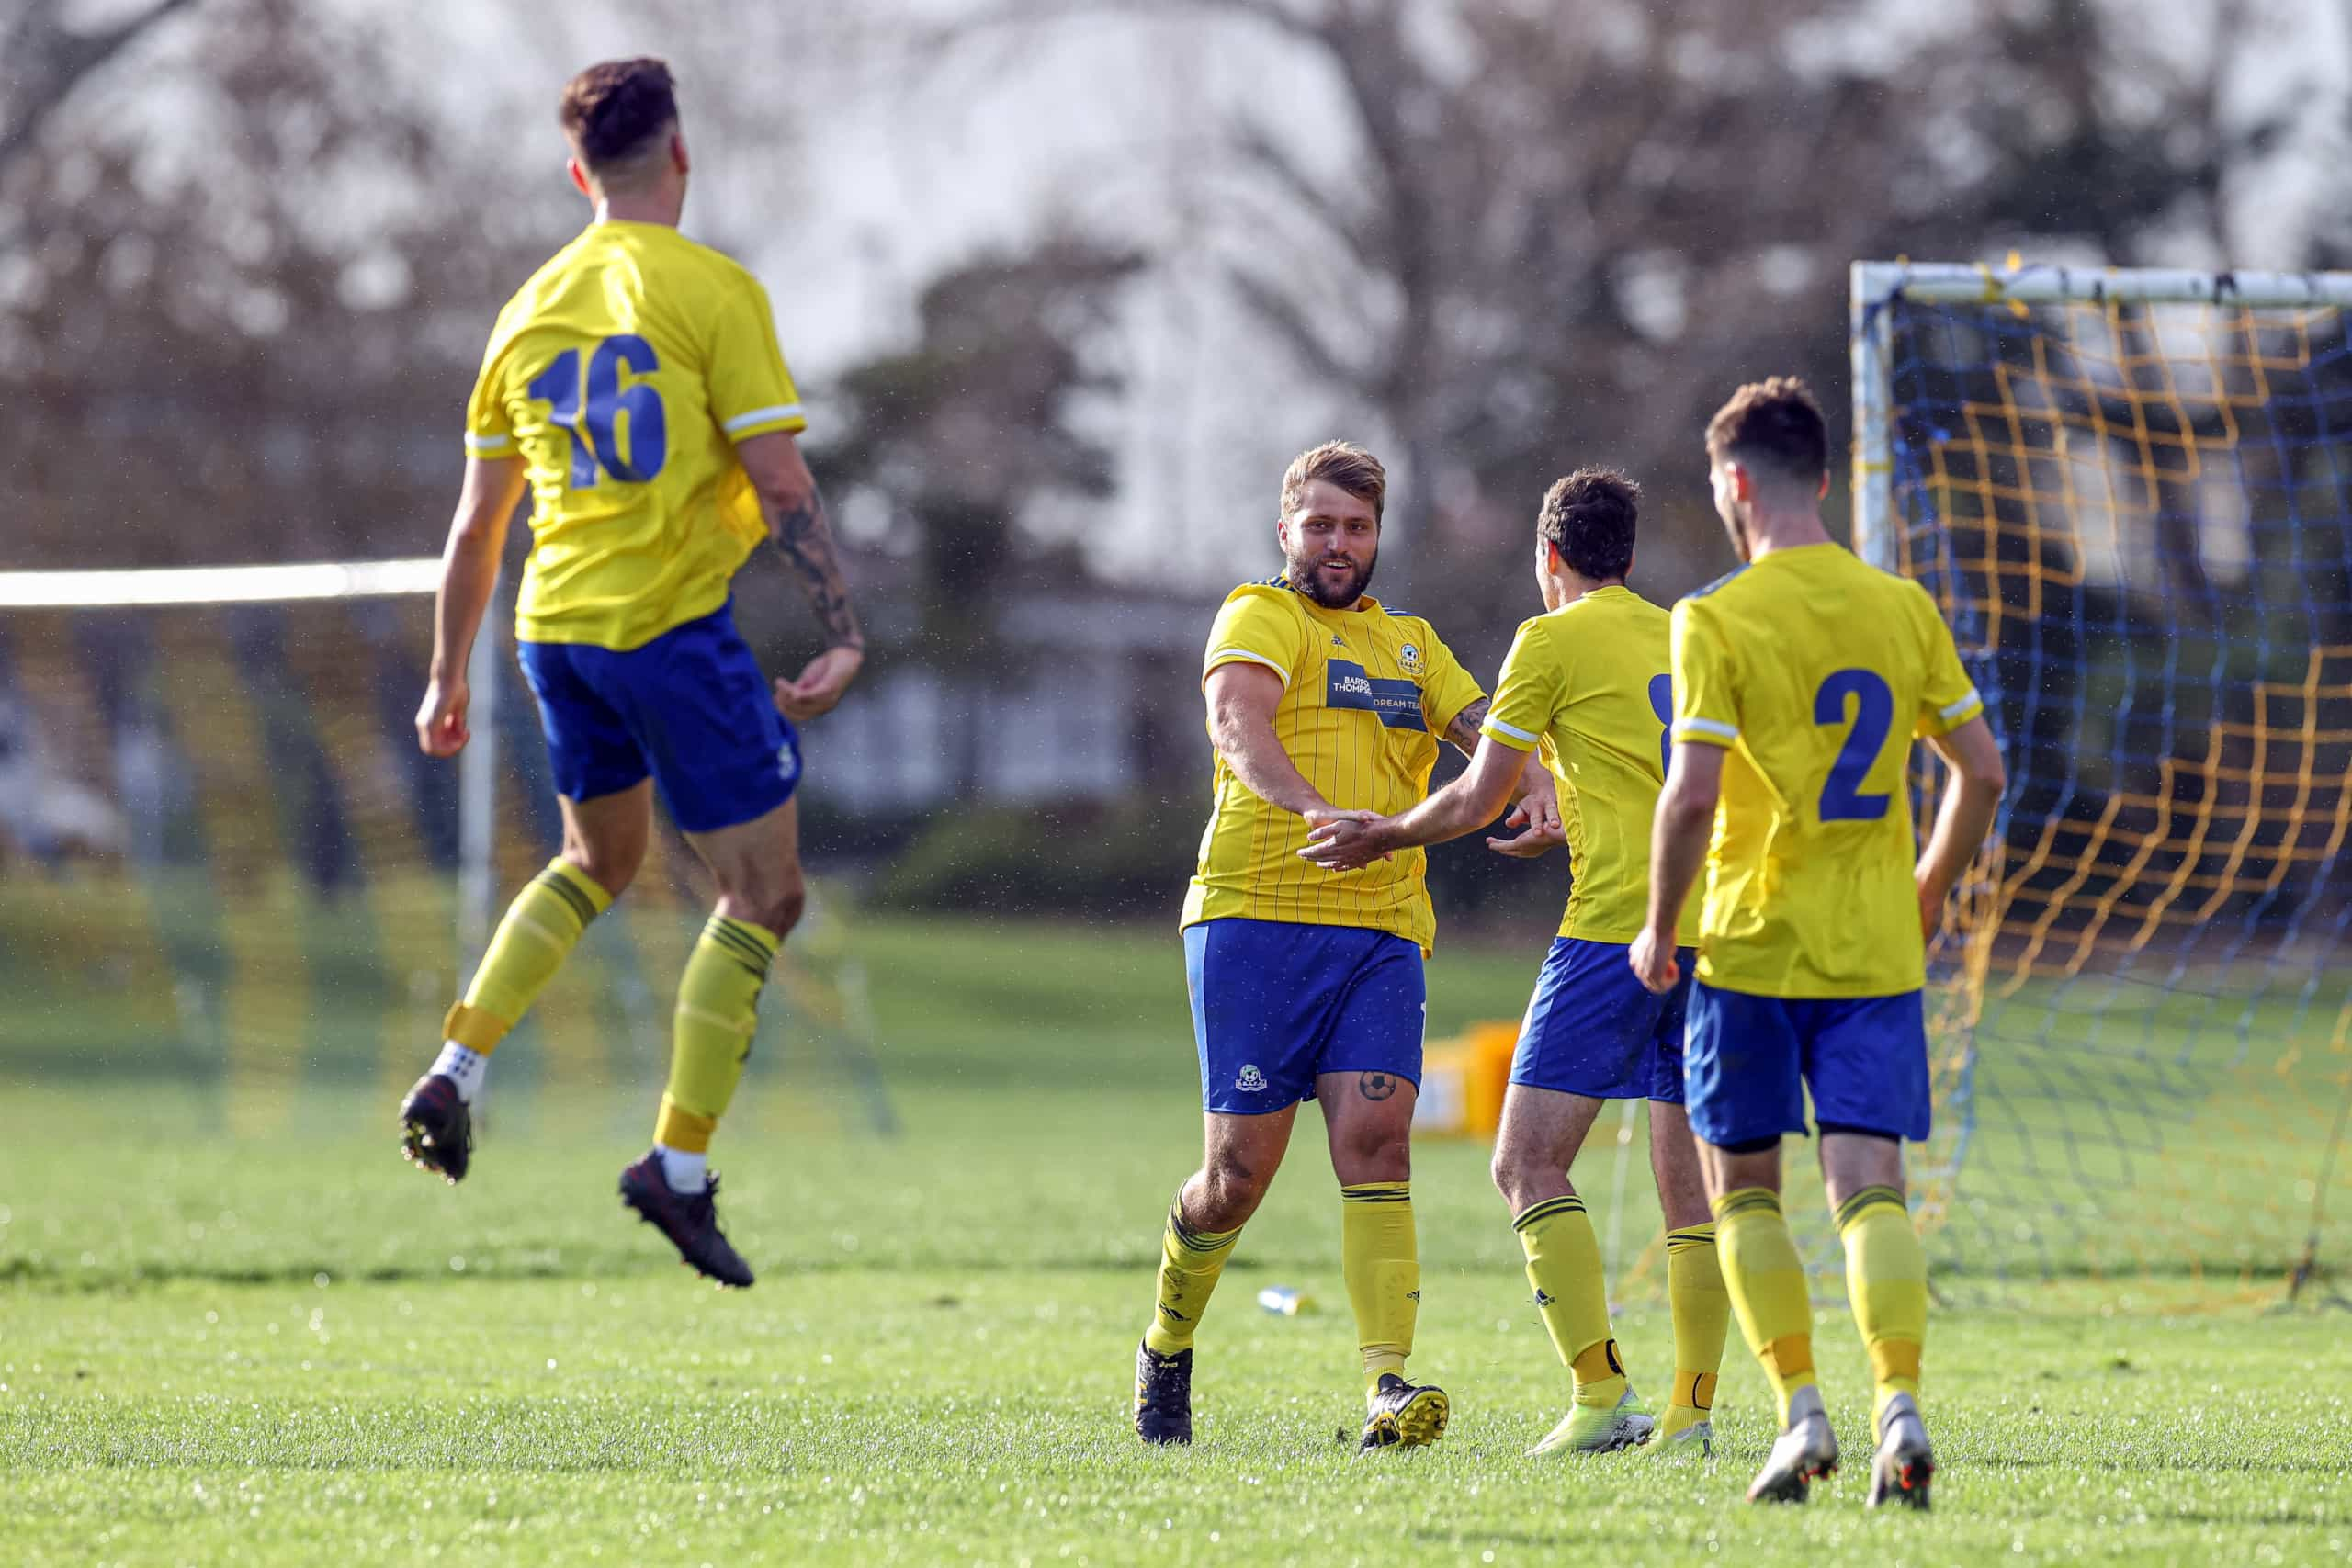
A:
(225, 864)
(2131, 494)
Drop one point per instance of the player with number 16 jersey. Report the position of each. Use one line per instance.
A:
(633, 384)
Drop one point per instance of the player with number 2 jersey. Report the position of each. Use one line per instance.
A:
(1800, 681)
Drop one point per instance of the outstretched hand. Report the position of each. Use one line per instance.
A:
(1341, 841)
(820, 684)
(1541, 831)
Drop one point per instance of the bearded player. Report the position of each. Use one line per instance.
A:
(635, 384)
(1799, 681)
(1307, 984)
(1586, 684)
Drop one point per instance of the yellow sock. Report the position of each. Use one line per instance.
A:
(1886, 1280)
(1383, 1267)
(1189, 1262)
(1765, 1282)
(1702, 1311)
(718, 1009)
(1564, 1266)
(531, 944)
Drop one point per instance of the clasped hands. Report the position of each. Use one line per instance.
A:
(1350, 840)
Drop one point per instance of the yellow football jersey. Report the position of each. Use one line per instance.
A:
(1366, 695)
(1815, 670)
(624, 372)
(1593, 679)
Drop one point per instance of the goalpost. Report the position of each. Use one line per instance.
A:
(2131, 492)
(224, 862)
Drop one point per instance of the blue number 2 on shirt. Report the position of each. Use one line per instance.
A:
(1662, 704)
(596, 439)
(1842, 799)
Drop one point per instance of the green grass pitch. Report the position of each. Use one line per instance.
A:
(290, 1349)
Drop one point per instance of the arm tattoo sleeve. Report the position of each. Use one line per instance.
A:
(1464, 730)
(805, 539)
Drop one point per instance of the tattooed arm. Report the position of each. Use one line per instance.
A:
(802, 535)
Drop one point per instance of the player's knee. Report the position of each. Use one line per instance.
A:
(610, 867)
(1231, 1192)
(775, 905)
(1513, 1174)
(1381, 1154)
(786, 906)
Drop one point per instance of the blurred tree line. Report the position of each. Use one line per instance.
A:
(237, 326)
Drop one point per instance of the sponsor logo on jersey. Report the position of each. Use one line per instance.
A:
(1397, 703)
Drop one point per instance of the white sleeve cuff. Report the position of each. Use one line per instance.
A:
(1229, 655)
(1962, 706)
(761, 416)
(1686, 728)
(487, 446)
(1514, 731)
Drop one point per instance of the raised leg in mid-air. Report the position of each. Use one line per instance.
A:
(604, 844)
(762, 894)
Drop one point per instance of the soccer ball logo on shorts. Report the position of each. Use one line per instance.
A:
(1409, 656)
(787, 762)
(1251, 1080)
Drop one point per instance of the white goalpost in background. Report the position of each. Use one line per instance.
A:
(2130, 493)
(213, 800)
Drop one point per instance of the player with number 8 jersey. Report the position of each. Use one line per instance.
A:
(636, 385)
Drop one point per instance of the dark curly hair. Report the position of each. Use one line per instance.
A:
(1588, 518)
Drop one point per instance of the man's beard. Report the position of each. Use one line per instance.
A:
(1307, 576)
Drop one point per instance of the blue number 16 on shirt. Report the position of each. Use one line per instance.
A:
(596, 440)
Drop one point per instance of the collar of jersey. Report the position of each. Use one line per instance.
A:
(1797, 550)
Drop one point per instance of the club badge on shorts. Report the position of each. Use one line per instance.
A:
(1251, 1080)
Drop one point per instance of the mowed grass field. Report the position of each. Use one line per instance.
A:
(288, 1348)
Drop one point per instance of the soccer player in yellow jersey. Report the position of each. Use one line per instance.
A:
(1799, 681)
(1307, 984)
(635, 385)
(1586, 683)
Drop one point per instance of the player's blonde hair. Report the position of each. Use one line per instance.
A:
(1342, 463)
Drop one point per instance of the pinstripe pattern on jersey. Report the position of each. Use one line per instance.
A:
(1366, 694)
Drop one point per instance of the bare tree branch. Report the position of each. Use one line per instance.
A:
(47, 61)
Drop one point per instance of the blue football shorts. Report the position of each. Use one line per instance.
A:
(1749, 1061)
(1593, 1029)
(691, 707)
(1275, 1003)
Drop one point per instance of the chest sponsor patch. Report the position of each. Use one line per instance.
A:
(1397, 703)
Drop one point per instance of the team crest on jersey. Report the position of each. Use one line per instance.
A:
(1409, 656)
(1251, 1080)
